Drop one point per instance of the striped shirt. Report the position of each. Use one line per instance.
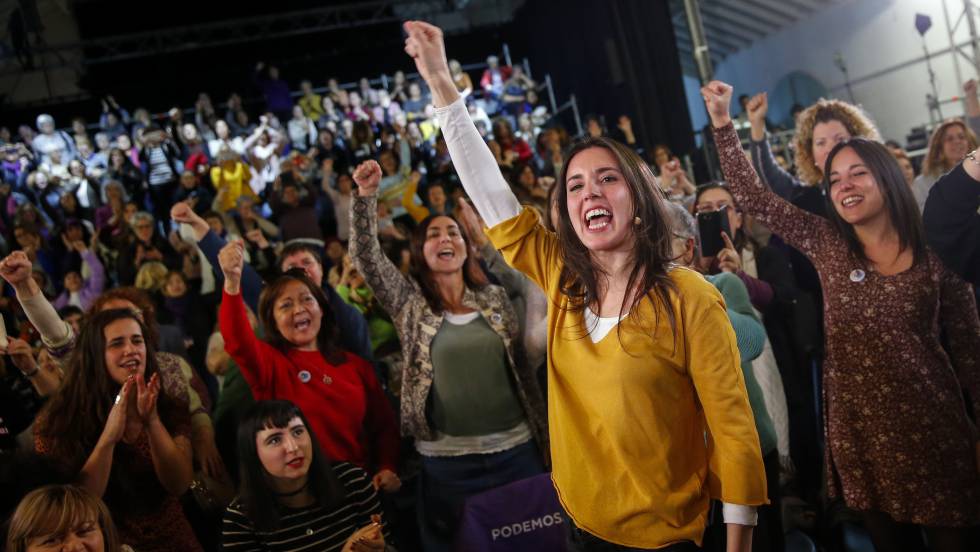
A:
(311, 529)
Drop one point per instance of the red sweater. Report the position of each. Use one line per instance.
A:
(350, 415)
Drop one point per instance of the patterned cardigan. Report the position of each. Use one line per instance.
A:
(417, 325)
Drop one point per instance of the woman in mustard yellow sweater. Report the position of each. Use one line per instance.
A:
(648, 412)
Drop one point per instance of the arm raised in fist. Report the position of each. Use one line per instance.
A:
(367, 175)
(717, 99)
(232, 261)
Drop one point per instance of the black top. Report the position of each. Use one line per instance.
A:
(310, 529)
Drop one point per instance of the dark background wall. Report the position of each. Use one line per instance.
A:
(617, 56)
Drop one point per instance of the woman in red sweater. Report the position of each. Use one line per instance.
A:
(300, 361)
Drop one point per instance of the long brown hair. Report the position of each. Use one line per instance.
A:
(473, 276)
(74, 418)
(935, 163)
(899, 201)
(327, 338)
(56, 510)
(651, 255)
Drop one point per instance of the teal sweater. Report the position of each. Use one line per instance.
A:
(751, 337)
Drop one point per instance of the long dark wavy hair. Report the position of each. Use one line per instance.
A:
(899, 201)
(580, 276)
(256, 494)
(473, 275)
(328, 337)
(75, 416)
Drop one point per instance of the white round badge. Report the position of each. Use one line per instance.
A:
(496, 318)
(304, 376)
(857, 275)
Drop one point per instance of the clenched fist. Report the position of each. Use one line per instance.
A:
(717, 99)
(232, 261)
(367, 175)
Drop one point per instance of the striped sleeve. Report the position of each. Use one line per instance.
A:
(236, 531)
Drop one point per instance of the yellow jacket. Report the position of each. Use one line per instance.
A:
(647, 426)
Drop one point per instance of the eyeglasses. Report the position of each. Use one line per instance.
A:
(709, 207)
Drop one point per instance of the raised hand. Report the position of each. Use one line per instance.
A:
(231, 258)
(16, 270)
(367, 175)
(757, 108)
(717, 99)
(183, 212)
(146, 398)
(970, 87)
(471, 222)
(426, 47)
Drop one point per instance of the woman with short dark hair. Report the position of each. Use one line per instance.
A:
(291, 497)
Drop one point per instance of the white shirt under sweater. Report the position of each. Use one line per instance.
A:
(493, 198)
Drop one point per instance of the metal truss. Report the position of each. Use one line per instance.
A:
(237, 31)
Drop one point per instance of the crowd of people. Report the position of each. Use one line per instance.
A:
(330, 329)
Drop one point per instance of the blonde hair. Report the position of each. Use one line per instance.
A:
(152, 276)
(935, 162)
(56, 510)
(854, 119)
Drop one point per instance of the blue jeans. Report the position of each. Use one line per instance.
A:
(446, 483)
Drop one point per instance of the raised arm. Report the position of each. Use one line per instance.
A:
(391, 287)
(770, 172)
(240, 340)
(800, 229)
(210, 244)
(56, 334)
(475, 164)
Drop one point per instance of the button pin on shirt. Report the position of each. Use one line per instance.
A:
(857, 275)
(496, 318)
(305, 376)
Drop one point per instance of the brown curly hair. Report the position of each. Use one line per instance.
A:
(854, 119)
(935, 162)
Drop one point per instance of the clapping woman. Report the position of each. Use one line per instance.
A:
(112, 429)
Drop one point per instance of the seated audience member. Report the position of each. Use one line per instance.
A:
(292, 496)
(81, 292)
(112, 429)
(63, 517)
(147, 245)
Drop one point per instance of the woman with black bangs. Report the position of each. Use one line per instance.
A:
(901, 446)
(642, 358)
(291, 497)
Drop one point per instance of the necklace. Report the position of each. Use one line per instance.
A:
(292, 493)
